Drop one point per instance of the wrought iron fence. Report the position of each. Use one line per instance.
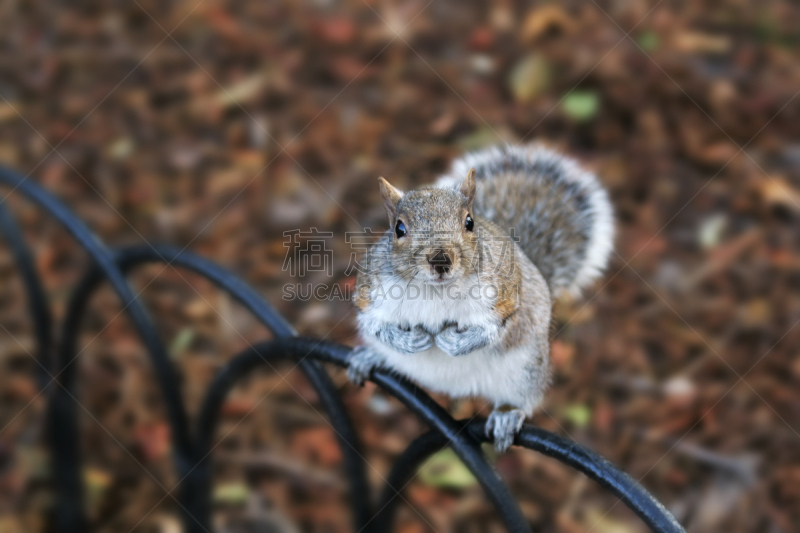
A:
(192, 450)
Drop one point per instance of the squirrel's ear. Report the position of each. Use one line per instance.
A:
(391, 197)
(468, 187)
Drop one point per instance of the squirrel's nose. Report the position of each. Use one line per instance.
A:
(440, 261)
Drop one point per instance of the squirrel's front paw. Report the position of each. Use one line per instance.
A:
(503, 425)
(408, 340)
(361, 362)
(419, 340)
(460, 341)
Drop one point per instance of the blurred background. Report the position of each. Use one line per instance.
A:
(219, 126)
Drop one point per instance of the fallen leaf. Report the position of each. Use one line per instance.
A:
(529, 78)
(545, 19)
(695, 42)
(233, 494)
(445, 470)
(578, 414)
(649, 41)
(581, 105)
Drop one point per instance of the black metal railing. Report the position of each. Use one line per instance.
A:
(192, 450)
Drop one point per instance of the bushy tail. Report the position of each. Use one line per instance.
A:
(560, 212)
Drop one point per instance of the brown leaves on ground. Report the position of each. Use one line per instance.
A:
(257, 118)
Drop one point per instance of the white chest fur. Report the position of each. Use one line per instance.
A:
(490, 372)
(465, 302)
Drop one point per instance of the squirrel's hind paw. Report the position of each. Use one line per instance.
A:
(503, 425)
(361, 362)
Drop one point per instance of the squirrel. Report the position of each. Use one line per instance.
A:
(457, 295)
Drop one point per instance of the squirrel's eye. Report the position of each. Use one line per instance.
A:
(400, 229)
(469, 223)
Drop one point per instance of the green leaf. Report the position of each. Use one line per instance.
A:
(578, 414)
(231, 494)
(445, 470)
(181, 342)
(477, 139)
(97, 482)
(581, 105)
(649, 41)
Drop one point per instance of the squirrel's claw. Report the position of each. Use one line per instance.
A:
(457, 341)
(361, 362)
(503, 426)
(408, 341)
(421, 340)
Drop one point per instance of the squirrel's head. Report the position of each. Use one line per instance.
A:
(434, 231)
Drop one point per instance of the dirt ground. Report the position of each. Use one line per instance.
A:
(224, 126)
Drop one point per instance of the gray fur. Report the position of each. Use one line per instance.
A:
(560, 212)
(498, 347)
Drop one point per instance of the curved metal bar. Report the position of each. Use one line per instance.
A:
(130, 257)
(37, 300)
(465, 445)
(193, 460)
(403, 471)
(263, 354)
(650, 510)
(69, 509)
(595, 467)
(200, 479)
